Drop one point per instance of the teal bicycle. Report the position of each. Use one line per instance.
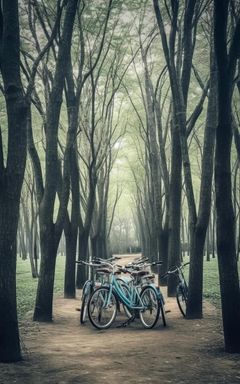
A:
(146, 300)
(99, 277)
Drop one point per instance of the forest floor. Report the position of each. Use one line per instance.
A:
(65, 352)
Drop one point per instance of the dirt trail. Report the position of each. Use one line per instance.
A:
(186, 351)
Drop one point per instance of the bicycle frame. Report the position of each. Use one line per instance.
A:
(134, 292)
(181, 278)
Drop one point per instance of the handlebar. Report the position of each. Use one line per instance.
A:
(175, 269)
(98, 261)
(109, 259)
(90, 264)
(107, 262)
(140, 261)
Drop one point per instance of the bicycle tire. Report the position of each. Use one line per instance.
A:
(96, 305)
(181, 300)
(87, 290)
(149, 316)
(83, 310)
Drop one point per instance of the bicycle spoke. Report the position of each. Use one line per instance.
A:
(149, 315)
(102, 308)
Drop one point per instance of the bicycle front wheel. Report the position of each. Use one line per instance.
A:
(150, 314)
(83, 310)
(102, 308)
(181, 299)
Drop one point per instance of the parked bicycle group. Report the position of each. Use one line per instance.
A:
(130, 289)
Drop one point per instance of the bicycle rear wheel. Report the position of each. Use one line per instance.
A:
(150, 314)
(102, 308)
(181, 297)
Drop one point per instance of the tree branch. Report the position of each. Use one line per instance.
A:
(42, 53)
(198, 109)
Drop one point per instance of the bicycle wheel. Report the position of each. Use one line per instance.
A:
(150, 314)
(181, 299)
(87, 290)
(102, 308)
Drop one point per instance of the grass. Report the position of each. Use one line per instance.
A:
(27, 286)
(211, 287)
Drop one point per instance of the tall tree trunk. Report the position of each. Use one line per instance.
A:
(22, 244)
(44, 299)
(83, 254)
(71, 232)
(175, 196)
(70, 266)
(179, 88)
(154, 163)
(11, 177)
(227, 260)
(35, 247)
(214, 231)
(194, 307)
(29, 232)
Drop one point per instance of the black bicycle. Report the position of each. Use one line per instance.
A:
(182, 287)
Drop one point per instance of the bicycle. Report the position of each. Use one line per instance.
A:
(102, 305)
(99, 278)
(182, 287)
(148, 278)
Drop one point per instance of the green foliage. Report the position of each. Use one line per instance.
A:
(27, 286)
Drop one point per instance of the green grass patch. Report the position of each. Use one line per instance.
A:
(27, 286)
(211, 286)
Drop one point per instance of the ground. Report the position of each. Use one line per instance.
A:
(65, 352)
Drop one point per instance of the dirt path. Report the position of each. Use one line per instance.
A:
(186, 351)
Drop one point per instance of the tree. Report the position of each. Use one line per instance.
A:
(43, 17)
(179, 69)
(227, 259)
(194, 307)
(11, 176)
(50, 231)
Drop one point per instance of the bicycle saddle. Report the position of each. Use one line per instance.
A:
(139, 273)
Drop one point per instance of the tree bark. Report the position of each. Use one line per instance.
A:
(71, 234)
(227, 260)
(11, 177)
(194, 307)
(174, 250)
(83, 254)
